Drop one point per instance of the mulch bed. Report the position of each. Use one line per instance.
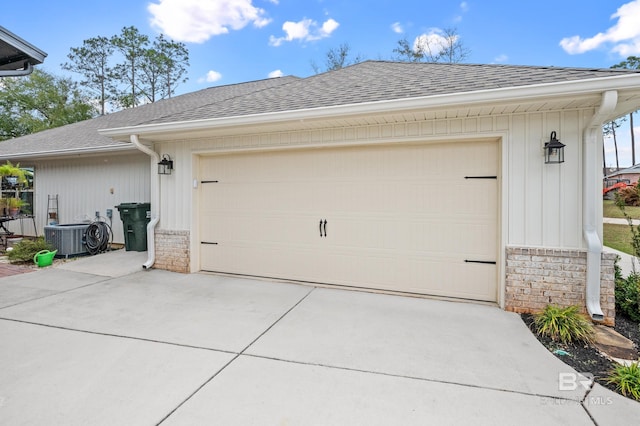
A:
(585, 358)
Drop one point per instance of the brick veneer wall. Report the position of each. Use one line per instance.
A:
(536, 277)
(172, 250)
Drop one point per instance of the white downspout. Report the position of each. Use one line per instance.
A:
(589, 200)
(155, 201)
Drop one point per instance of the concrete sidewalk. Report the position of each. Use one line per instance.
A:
(87, 345)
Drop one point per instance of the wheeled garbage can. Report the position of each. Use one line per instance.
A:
(135, 217)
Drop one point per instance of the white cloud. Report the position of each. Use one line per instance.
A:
(464, 8)
(276, 73)
(211, 77)
(432, 42)
(305, 30)
(397, 28)
(500, 59)
(197, 21)
(624, 34)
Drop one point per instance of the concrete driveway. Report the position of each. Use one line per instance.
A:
(98, 341)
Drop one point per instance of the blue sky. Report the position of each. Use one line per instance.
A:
(232, 41)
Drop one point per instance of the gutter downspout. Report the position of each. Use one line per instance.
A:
(28, 69)
(589, 200)
(155, 201)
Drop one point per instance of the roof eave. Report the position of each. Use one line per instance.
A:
(509, 94)
(68, 152)
(37, 55)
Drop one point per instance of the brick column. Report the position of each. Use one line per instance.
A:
(172, 250)
(536, 277)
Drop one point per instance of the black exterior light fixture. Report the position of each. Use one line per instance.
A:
(165, 165)
(553, 150)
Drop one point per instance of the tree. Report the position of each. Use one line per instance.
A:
(175, 62)
(128, 68)
(632, 62)
(92, 60)
(609, 129)
(163, 67)
(336, 58)
(38, 102)
(132, 45)
(436, 46)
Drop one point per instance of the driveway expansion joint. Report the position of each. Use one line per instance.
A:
(237, 355)
(422, 379)
(56, 293)
(98, 333)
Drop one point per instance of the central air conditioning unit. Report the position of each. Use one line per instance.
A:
(67, 239)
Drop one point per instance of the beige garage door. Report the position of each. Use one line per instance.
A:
(411, 218)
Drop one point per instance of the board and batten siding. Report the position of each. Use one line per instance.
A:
(84, 186)
(540, 204)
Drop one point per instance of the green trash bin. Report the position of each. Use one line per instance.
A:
(135, 217)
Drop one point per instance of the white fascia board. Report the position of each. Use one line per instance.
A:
(61, 153)
(510, 94)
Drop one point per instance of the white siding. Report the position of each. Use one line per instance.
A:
(84, 185)
(541, 204)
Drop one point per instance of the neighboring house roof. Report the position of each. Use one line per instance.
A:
(365, 88)
(83, 136)
(628, 171)
(17, 54)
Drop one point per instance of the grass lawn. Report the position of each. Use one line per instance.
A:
(618, 237)
(609, 209)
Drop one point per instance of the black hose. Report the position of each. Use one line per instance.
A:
(97, 237)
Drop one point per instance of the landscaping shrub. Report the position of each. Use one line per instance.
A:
(26, 249)
(630, 195)
(627, 380)
(628, 296)
(565, 325)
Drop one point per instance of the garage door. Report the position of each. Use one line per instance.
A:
(411, 218)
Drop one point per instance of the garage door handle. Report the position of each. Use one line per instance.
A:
(320, 228)
(323, 227)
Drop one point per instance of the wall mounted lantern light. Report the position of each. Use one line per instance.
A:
(553, 150)
(165, 165)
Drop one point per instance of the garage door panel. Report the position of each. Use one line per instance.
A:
(399, 218)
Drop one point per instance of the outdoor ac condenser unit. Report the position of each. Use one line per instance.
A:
(67, 239)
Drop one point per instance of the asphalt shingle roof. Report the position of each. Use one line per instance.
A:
(84, 134)
(380, 81)
(368, 81)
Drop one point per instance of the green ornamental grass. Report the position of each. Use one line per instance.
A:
(26, 249)
(565, 325)
(627, 380)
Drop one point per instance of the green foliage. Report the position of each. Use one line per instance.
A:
(627, 380)
(565, 325)
(632, 62)
(26, 249)
(628, 296)
(630, 195)
(38, 102)
(634, 229)
(91, 60)
(8, 169)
